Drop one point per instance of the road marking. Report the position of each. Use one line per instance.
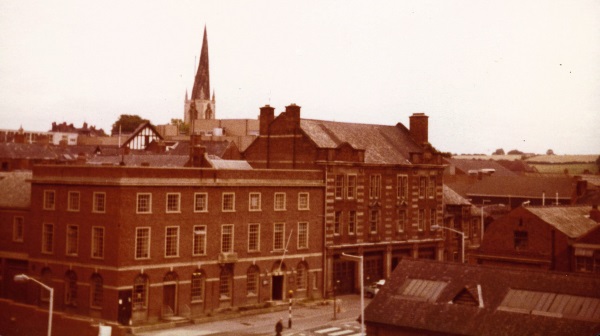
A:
(340, 333)
(325, 331)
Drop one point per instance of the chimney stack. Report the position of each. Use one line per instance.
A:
(419, 128)
(267, 114)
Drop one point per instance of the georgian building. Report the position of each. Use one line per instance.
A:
(383, 188)
(137, 244)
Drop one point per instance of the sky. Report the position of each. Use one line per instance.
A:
(494, 74)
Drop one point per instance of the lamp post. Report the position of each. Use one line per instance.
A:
(359, 259)
(23, 278)
(435, 227)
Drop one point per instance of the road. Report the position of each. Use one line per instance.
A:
(306, 320)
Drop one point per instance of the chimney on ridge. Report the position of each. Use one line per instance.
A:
(419, 128)
(267, 114)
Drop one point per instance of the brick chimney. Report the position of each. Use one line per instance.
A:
(595, 213)
(197, 158)
(267, 114)
(419, 128)
(293, 113)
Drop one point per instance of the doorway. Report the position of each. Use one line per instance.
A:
(277, 289)
(125, 307)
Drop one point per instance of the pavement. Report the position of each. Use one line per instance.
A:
(316, 318)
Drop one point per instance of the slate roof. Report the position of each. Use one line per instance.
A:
(26, 151)
(466, 165)
(15, 189)
(439, 309)
(382, 144)
(516, 186)
(452, 198)
(153, 160)
(573, 221)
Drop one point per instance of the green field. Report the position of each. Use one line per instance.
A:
(573, 168)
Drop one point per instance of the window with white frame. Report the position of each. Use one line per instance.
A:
(254, 202)
(172, 241)
(421, 225)
(278, 236)
(144, 203)
(99, 202)
(199, 247)
(227, 238)
(302, 235)
(351, 222)
(228, 204)
(96, 291)
(47, 238)
(142, 243)
(140, 292)
(432, 218)
(200, 202)
(301, 276)
(351, 189)
(422, 186)
(73, 201)
(373, 220)
(402, 185)
(252, 281)
(97, 242)
(18, 228)
(197, 291)
(225, 283)
(303, 201)
(279, 201)
(49, 199)
(337, 222)
(173, 203)
(72, 244)
(374, 186)
(401, 220)
(339, 186)
(431, 187)
(253, 237)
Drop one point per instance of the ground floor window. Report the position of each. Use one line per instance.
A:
(96, 289)
(225, 282)
(140, 292)
(198, 280)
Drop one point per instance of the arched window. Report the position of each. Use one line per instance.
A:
(70, 288)
(96, 291)
(198, 279)
(140, 292)
(301, 276)
(225, 282)
(252, 280)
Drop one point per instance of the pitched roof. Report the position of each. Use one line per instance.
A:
(515, 186)
(563, 158)
(26, 151)
(382, 144)
(573, 221)
(452, 198)
(218, 163)
(152, 160)
(15, 189)
(449, 301)
(468, 165)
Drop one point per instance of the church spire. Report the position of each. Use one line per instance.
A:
(201, 88)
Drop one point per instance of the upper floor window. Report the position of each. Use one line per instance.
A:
(375, 186)
(47, 238)
(421, 225)
(339, 186)
(303, 201)
(253, 237)
(373, 220)
(73, 201)
(142, 243)
(228, 202)
(200, 202)
(144, 203)
(422, 186)
(99, 202)
(173, 202)
(431, 187)
(402, 187)
(49, 199)
(199, 247)
(279, 201)
(337, 222)
(401, 220)
(97, 242)
(432, 218)
(302, 235)
(351, 189)
(18, 228)
(254, 202)
(72, 240)
(278, 238)
(352, 222)
(227, 238)
(172, 241)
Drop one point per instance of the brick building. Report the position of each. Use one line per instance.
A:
(383, 187)
(136, 244)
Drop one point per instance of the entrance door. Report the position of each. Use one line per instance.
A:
(277, 292)
(343, 277)
(124, 307)
(169, 298)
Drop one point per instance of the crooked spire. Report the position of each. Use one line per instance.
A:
(201, 88)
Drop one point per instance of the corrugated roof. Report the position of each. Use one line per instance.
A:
(573, 221)
(218, 163)
(560, 305)
(382, 144)
(15, 189)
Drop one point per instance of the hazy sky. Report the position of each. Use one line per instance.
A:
(490, 74)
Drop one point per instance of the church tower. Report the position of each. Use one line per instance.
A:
(204, 104)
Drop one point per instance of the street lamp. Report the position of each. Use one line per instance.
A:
(435, 227)
(24, 278)
(359, 259)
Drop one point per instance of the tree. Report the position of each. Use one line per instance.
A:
(515, 152)
(549, 152)
(182, 127)
(127, 123)
(499, 151)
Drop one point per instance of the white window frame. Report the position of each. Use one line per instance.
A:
(169, 243)
(223, 235)
(137, 203)
(167, 205)
(351, 187)
(421, 220)
(69, 243)
(302, 242)
(70, 198)
(198, 196)
(94, 245)
(432, 218)
(277, 200)
(402, 187)
(338, 186)
(431, 186)
(47, 238)
(148, 244)
(223, 196)
(257, 225)
(276, 232)
(258, 206)
(18, 229)
(375, 186)
(402, 218)
(303, 201)
(199, 236)
(337, 222)
(49, 200)
(377, 220)
(352, 218)
(96, 196)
